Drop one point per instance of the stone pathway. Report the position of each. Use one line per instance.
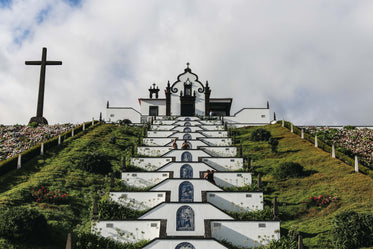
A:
(184, 210)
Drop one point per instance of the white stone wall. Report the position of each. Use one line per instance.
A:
(195, 154)
(161, 127)
(213, 127)
(217, 141)
(224, 164)
(160, 133)
(214, 133)
(145, 103)
(150, 163)
(168, 142)
(197, 168)
(202, 211)
(153, 151)
(144, 179)
(181, 123)
(250, 116)
(138, 200)
(172, 243)
(220, 151)
(193, 128)
(246, 233)
(128, 231)
(232, 179)
(199, 185)
(114, 114)
(194, 135)
(211, 122)
(236, 201)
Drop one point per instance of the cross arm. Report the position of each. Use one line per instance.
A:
(54, 63)
(33, 62)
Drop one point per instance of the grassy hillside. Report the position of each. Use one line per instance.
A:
(60, 170)
(326, 176)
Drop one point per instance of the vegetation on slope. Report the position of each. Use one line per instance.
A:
(323, 176)
(62, 184)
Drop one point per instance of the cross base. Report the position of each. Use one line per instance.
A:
(39, 120)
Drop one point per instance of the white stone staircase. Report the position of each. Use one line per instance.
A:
(183, 209)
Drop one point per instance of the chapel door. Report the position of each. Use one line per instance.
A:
(187, 109)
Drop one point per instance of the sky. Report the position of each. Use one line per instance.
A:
(312, 60)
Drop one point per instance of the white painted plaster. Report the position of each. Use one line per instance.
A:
(195, 154)
(150, 163)
(138, 200)
(117, 114)
(197, 168)
(160, 133)
(236, 201)
(199, 185)
(153, 151)
(246, 233)
(202, 211)
(143, 179)
(214, 133)
(250, 116)
(224, 164)
(232, 179)
(172, 243)
(220, 151)
(128, 231)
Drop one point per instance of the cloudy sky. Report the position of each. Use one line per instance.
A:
(313, 60)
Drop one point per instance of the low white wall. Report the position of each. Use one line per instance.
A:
(214, 133)
(153, 151)
(114, 114)
(221, 151)
(172, 243)
(211, 122)
(192, 118)
(199, 185)
(128, 231)
(197, 168)
(232, 179)
(138, 200)
(202, 211)
(250, 115)
(168, 142)
(192, 128)
(150, 163)
(224, 164)
(160, 133)
(180, 135)
(192, 123)
(217, 141)
(236, 201)
(161, 127)
(195, 154)
(145, 103)
(246, 233)
(144, 179)
(213, 127)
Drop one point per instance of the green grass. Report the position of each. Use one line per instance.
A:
(325, 175)
(59, 169)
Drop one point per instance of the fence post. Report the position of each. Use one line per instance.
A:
(356, 164)
(302, 133)
(283, 123)
(84, 126)
(59, 139)
(333, 150)
(316, 144)
(291, 127)
(42, 149)
(68, 242)
(19, 163)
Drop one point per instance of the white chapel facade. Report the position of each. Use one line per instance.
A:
(187, 96)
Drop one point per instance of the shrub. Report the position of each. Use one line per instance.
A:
(44, 195)
(96, 162)
(89, 240)
(274, 143)
(320, 201)
(110, 210)
(287, 170)
(23, 225)
(33, 124)
(352, 230)
(260, 134)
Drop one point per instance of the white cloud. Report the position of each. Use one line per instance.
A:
(311, 59)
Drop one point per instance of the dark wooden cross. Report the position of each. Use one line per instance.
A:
(43, 63)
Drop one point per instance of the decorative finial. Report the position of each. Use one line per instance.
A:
(188, 64)
(153, 85)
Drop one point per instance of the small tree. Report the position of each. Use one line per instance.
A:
(260, 134)
(352, 230)
(96, 162)
(287, 170)
(274, 143)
